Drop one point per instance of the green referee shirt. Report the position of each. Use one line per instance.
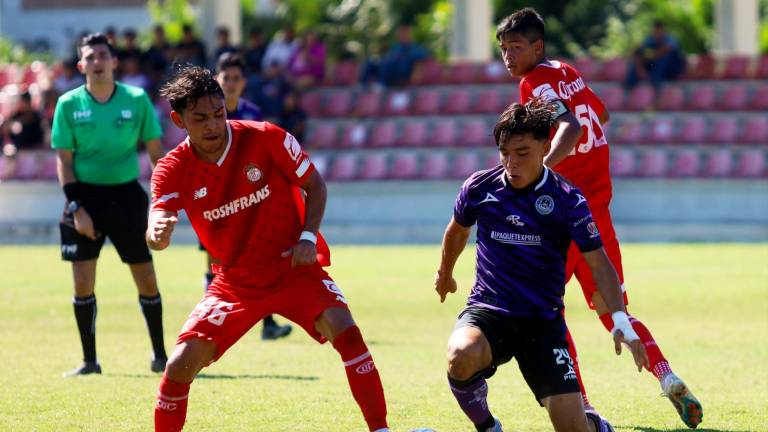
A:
(103, 136)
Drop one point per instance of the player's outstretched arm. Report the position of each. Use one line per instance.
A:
(608, 285)
(304, 252)
(159, 229)
(566, 137)
(454, 241)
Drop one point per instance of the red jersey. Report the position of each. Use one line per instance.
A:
(587, 166)
(244, 208)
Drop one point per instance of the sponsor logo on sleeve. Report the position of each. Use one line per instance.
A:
(292, 147)
(592, 228)
(545, 90)
(581, 200)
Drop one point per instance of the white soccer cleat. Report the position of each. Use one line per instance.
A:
(686, 404)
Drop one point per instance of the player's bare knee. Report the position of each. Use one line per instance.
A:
(333, 321)
(464, 358)
(188, 359)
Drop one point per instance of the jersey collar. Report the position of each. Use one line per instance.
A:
(543, 180)
(229, 144)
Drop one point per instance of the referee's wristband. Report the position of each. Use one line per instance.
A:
(309, 236)
(72, 191)
(621, 322)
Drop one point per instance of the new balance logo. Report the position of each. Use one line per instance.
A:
(489, 198)
(200, 193)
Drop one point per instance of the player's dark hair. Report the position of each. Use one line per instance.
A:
(535, 117)
(228, 60)
(188, 85)
(526, 22)
(94, 39)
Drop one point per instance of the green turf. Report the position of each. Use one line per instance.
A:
(706, 304)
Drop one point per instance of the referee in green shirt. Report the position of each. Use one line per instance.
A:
(96, 129)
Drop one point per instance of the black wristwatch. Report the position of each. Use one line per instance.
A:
(73, 206)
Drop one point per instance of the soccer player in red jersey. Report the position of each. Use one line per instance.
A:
(241, 184)
(580, 153)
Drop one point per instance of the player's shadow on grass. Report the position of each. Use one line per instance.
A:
(652, 429)
(260, 376)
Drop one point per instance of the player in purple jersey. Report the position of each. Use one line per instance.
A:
(230, 73)
(526, 216)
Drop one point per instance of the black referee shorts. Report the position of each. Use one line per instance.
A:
(119, 212)
(538, 344)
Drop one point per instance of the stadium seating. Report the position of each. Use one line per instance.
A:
(344, 167)
(368, 104)
(734, 97)
(719, 163)
(398, 103)
(323, 135)
(414, 134)
(686, 163)
(672, 98)
(760, 98)
(426, 102)
(693, 130)
(355, 135)
(404, 166)
(662, 130)
(641, 98)
(457, 102)
(384, 134)
(444, 133)
(374, 166)
(476, 133)
(702, 98)
(435, 166)
(755, 130)
(653, 163)
(751, 164)
(338, 103)
(725, 130)
(622, 163)
(464, 165)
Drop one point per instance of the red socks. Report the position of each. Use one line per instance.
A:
(655, 357)
(363, 377)
(171, 406)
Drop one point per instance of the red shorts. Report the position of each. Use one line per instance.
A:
(227, 312)
(576, 265)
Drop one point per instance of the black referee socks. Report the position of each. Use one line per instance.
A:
(85, 314)
(152, 308)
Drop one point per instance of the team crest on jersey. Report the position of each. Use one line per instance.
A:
(252, 172)
(545, 204)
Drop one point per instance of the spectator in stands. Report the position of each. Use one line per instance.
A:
(157, 57)
(279, 50)
(24, 129)
(111, 33)
(190, 49)
(130, 47)
(268, 91)
(133, 75)
(396, 67)
(659, 59)
(293, 118)
(69, 78)
(223, 44)
(253, 52)
(306, 66)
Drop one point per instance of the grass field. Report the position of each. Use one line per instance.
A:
(706, 304)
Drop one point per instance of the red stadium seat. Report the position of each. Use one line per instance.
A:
(587, 66)
(612, 96)
(338, 103)
(27, 165)
(653, 163)
(613, 70)
(733, 98)
(671, 98)
(415, 134)
(760, 99)
(662, 130)
(751, 164)
(464, 164)
(48, 166)
(444, 133)
(687, 163)
(724, 131)
(488, 101)
(435, 166)
(755, 130)
(761, 72)
(344, 167)
(427, 72)
(622, 163)
(374, 166)
(384, 134)
(693, 130)
(476, 133)
(312, 103)
(343, 73)
(719, 163)
(461, 73)
(631, 131)
(426, 102)
(700, 67)
(702, 98)
(494, 73)
(405, 166)
(323, 135)
(457, 102)
(735, 67)
(368, 104)
(355, 135)
(641, 98)
(7, 167)
(398, 103)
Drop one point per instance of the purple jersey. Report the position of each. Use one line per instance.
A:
(523, 237)
(246, 110)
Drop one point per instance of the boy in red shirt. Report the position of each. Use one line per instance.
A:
(241, 183)
(580, 153)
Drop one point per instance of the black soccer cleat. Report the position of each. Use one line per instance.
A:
(86, 368)
(158, 364)
(274, 331)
